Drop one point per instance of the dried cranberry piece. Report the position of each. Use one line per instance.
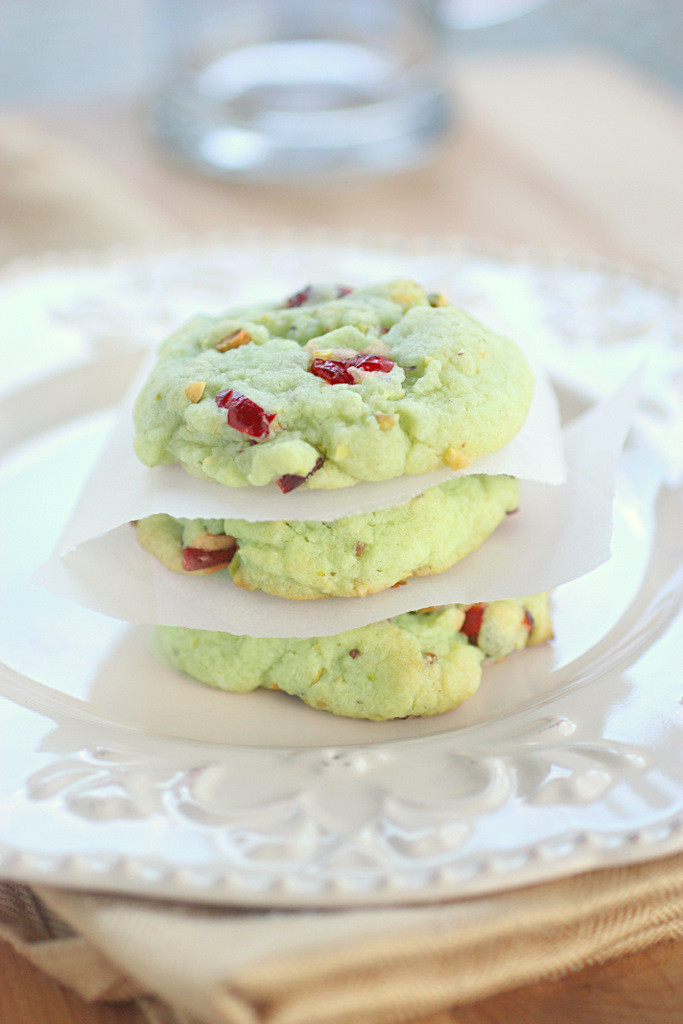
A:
(289, 481)
(336, 371)
(472, 623)
(373, 363)
(529, 620)
(300, 298)
(245, 415)
(198, 558)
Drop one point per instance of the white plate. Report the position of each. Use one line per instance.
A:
(120, 775)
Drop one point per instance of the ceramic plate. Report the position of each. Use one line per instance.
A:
(120, 775)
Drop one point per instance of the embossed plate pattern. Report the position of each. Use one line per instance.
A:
(118, 774)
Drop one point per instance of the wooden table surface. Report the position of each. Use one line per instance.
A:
(504, 174)
(541, 153)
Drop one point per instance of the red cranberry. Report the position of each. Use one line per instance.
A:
(245, 415)
(302, 297)
(373, 363)
(529, 620)
(299, 298)
(198, 558)
(289, 481)
(472, 623)
(336, 371)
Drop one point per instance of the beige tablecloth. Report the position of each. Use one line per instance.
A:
(571, 153)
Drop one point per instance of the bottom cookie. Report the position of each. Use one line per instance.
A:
(419, 663)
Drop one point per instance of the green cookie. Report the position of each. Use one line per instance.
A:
(332, 389)
(347, 557)
(419, 663)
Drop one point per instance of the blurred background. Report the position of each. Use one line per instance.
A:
(548, 122)
(93, 51)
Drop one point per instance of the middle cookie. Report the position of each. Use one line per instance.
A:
(348, 557)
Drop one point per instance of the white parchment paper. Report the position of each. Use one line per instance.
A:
(561, 532)
(121, 489)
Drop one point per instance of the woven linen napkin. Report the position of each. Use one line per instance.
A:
(371, 966)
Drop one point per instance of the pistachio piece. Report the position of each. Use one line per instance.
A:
(454, 458)
(234, 340)
(195, 391)
(386, 420)
(213, 541)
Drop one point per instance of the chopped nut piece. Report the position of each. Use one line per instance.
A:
(401, 583)
(234, 340)
(454, 458)
(377, 347)
(213, 541)
(195, 391)
(428, 656)
(386, 420)
(360, 548)
(317, 349)
(437, 299)
(314, 350)
(427, 610)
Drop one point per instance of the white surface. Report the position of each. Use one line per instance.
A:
(119, 774)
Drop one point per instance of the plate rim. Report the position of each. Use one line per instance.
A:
(584, 851)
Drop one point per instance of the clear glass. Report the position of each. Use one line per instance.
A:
(273, 90)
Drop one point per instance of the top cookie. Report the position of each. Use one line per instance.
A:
(332, 387)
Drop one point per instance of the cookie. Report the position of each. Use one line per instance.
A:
(332, 387)
(348, 557)
(419, 663)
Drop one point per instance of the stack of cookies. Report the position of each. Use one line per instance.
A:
(329, 388)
